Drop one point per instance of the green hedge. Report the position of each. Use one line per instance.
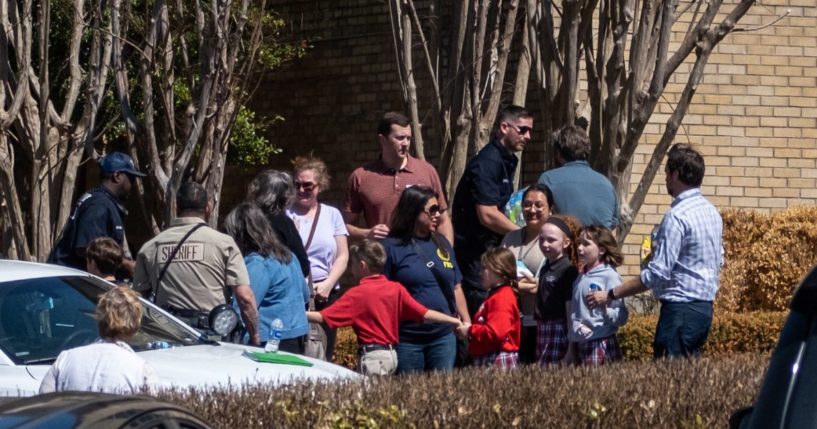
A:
(681, 393)
(731, 333)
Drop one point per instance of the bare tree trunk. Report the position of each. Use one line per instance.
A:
(520, 93)
(620, 101)
(12, 209)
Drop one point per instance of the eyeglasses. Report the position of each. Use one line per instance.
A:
(533, 205)
(521, 130)
(307, 186)
(435, 210)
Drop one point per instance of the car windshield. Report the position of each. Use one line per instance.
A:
(39, 318)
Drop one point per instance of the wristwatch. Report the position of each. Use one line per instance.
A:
(610, 295)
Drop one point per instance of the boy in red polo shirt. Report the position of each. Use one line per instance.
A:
(374, 309)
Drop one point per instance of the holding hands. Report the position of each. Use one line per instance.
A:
(462, 330)
(597, 299)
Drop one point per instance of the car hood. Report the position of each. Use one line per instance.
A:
(210, 365)
(200, 366)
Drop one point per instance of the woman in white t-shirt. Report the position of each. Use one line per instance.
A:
(327, 250)
(108, 365)
(537, 205)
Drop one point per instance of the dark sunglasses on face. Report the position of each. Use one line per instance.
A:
(307, 186)
(434, 210)
(521, 130)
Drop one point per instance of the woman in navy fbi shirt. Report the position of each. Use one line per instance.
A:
(423, 261)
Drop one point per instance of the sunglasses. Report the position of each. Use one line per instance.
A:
(434, 210)
(307, 186)
(521, 130)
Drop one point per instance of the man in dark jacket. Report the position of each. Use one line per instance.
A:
(99, 212)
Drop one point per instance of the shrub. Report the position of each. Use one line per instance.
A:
(731, 333)
(666, 394)
(766, 256)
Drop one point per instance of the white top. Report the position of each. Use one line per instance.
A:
(323, 249)
(99, 367)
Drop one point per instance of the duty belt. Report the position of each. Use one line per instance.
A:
(196, 318)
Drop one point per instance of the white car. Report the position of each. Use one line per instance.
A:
(45, 309)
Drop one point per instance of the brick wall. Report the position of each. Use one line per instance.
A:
(754, 116)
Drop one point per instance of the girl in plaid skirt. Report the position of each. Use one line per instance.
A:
(494, 335)
(554, 289)
(594, 331)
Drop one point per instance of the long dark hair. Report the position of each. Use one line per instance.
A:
(249, 227)
(412, 202)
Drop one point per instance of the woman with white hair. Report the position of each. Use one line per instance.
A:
(108, 365)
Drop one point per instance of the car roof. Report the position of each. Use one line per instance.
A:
(19, 270)
(86, 409)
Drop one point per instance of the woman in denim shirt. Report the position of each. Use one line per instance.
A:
(275, 277)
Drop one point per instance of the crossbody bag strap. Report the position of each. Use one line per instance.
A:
(172, 256)
(441, 281)
(306, 249)
(312, 230)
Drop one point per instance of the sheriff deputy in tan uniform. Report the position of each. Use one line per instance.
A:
(205, 271)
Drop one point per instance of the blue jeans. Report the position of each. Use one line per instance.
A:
(434, 355)
(682, 328)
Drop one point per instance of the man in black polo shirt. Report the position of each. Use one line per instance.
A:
(99, 213)
(483, 190)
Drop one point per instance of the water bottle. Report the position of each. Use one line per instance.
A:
(596, 312)
(276, 331)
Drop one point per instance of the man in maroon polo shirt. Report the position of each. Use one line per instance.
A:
(374, 189)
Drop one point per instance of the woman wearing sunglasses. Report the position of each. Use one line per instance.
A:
(423, 261)
(323, 233)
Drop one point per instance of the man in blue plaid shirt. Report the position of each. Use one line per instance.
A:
(685, 266)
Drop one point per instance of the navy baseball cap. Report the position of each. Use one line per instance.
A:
(118, 161)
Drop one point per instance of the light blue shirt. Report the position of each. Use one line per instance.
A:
(603, 321)
(582, 192)
(687, 260)
(280, 292)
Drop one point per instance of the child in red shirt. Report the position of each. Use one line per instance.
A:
(495, 333)
(374, 309)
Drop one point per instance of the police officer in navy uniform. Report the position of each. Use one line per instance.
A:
(485, 187)
(99, 213)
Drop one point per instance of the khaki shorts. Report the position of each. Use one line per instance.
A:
(378, 362)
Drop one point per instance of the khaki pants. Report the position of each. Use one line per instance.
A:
(378, 362)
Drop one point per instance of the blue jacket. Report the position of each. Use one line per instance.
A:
(603, 321)
(280, 292)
